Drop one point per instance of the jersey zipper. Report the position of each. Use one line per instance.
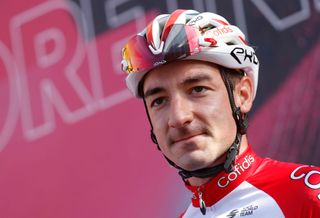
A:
(202, 203)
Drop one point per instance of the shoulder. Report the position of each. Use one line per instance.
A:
(307, 178)
(295, 187)
(288, 175)
(280, 169)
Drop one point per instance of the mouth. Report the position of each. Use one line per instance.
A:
(186, 138)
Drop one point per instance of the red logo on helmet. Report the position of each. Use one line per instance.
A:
(220, 31)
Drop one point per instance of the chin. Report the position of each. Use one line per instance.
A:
(190, 163)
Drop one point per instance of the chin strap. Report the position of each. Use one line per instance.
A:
(232, 153)
(211, 171)
(201, 173)
(242, 124)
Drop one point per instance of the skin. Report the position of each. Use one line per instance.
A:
(191, 114)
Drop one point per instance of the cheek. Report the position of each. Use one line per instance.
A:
(213, 109)
(159, 128)
(159, 134)
(218, 116)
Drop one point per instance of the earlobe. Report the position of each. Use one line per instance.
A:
(244, 93)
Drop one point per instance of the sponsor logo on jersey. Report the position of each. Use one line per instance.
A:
(245, 211)
(239, 168)
(309, 178)
(233, 213)
(248, 210)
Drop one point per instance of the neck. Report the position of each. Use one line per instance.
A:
(194, 181)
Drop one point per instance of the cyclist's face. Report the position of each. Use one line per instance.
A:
(190, 112)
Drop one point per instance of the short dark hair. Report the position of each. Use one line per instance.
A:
(234, 75)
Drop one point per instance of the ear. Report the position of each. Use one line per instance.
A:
(244, 94)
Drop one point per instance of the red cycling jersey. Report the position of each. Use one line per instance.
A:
(259, 187)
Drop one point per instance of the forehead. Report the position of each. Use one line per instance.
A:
(178, 71)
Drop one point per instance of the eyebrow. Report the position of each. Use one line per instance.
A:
(189, 80)
(195, 79)
(153, 91)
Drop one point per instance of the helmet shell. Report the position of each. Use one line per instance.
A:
(209, 36)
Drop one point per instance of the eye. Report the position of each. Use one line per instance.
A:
(199, 89)
(157, 102)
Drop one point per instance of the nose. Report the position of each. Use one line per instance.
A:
(180, 113)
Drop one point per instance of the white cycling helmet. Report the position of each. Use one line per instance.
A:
(188, 35)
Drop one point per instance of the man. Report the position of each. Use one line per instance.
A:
(198, 78)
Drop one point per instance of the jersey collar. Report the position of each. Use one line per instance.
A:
(223, 183)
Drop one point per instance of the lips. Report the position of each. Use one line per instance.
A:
(185, 138)
(176, 135)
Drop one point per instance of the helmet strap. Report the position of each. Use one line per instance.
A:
(152, 135)
(241, 120)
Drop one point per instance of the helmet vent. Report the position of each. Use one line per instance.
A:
(230, 43)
